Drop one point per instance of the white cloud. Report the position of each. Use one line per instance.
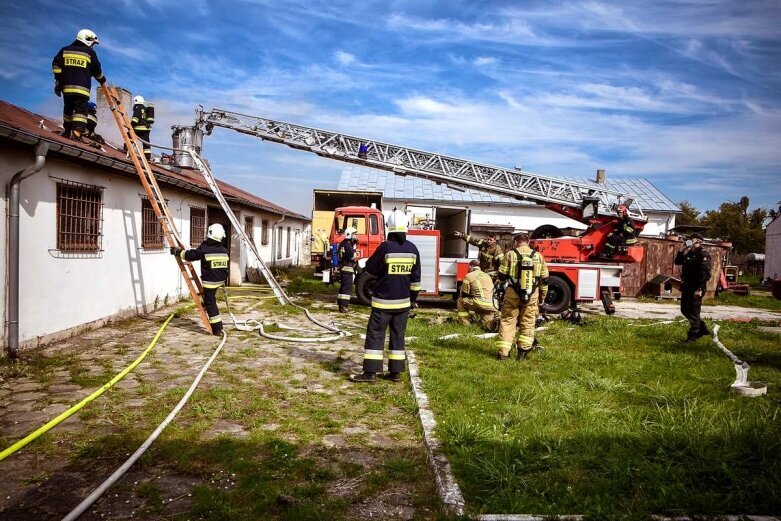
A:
(485, 61)
(345, 58)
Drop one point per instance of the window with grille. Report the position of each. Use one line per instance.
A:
(79, 217)
(264, 232)
(152, 230)
(288, 242)
(249, 227)
(197, 225)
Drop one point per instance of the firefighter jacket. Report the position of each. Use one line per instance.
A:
(490, 257)
(347, 256)
(397, 268)
(143, 117)
(696, 269)
(214, 262)
(525, 269)
(626, 230)
(479, 286)
(74, 67)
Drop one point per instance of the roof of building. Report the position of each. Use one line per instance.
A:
(22, 126)
(413, 188)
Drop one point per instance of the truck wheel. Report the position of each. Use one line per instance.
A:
(364, 288)
(559, 295)
(546, 231)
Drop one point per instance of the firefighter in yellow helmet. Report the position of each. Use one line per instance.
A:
(476, 295)
(526, 275)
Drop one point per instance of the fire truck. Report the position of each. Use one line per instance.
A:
(579, 272)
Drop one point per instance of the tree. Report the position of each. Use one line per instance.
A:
(735, 223)
(689, 216)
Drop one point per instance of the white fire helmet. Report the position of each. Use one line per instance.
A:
(216, 232)
(397, 222)
(138, 100)
(87, 37)
(350, 232)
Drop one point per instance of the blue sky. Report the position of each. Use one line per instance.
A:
(686, 94)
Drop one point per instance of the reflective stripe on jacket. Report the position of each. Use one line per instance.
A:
(74, 67)
(215, 262)
(397, 268)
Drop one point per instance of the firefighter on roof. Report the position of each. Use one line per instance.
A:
(347, 268)
(490, 255)
(624, 234)
(74, 67)
(526, 275)
(396, 264)
(214, 270)
(476, 295)
(143, 119)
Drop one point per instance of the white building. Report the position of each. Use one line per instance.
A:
(773, 249)
(90, 247)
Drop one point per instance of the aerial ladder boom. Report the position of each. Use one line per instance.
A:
(584, 202)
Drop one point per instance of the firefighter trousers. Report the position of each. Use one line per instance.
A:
(517, 322)
(374, 346)
(690, 308)
(74, 112)
(144, 134)
(210, 303)
(345, 288)
(485, 310)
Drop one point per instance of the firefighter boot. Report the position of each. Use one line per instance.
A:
(522, 353)
(691, 338)
(393, 377)
(343, 308)
(703, 331)
(363, 377)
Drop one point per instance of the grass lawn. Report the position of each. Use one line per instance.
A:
(609, 420)
(750, 301)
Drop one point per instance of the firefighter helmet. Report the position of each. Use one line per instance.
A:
(397, 222)
(138, 100)
(216, 232)
(87, 37)
(350, 232)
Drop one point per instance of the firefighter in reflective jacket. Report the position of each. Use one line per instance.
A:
(490, 254)
(476, 295)
(526, 275)
(73, 68)
(143, 119)
(214, 270)
(346, 268)
(396, 264)
(624, 235)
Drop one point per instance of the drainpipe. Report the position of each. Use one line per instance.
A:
(274, 241)
(13, 246)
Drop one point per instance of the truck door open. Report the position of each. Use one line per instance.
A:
(449, 220)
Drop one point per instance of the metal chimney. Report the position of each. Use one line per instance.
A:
(107, 127)
(600, 177)
(187, 138)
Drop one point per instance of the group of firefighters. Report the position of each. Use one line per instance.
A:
(73, 67)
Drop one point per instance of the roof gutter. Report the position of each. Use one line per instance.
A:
(41, 148)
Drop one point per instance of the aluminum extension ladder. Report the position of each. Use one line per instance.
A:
(156, 199)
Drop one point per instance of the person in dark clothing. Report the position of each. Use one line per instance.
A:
(214, 270)
(396, 264)
(624, 234)
(346, 268)
(73, 67)
(695, 274)
(92, 123)
(142, 121)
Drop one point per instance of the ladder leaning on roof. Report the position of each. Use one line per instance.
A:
(156, 199)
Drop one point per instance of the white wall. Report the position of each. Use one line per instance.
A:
(773, 249)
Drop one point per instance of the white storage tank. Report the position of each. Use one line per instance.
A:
(187, 138)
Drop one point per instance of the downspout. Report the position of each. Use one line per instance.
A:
(13, 246)
(274, 240)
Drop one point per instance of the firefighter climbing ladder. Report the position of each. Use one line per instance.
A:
(156, 199)
(458, 173)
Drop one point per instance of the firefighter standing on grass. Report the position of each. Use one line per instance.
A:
(214, 270)
(143, 119)
(74, 67)
(476, 295)
(490, 255)
(695, 265)
(346, 268)
(396, 264)
(526, 274)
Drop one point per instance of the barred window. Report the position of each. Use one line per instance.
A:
(197, 225)
(264, 230)
(279, 241)
(249, 228)
(79, 217)
(288, 242)
(152, 230)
